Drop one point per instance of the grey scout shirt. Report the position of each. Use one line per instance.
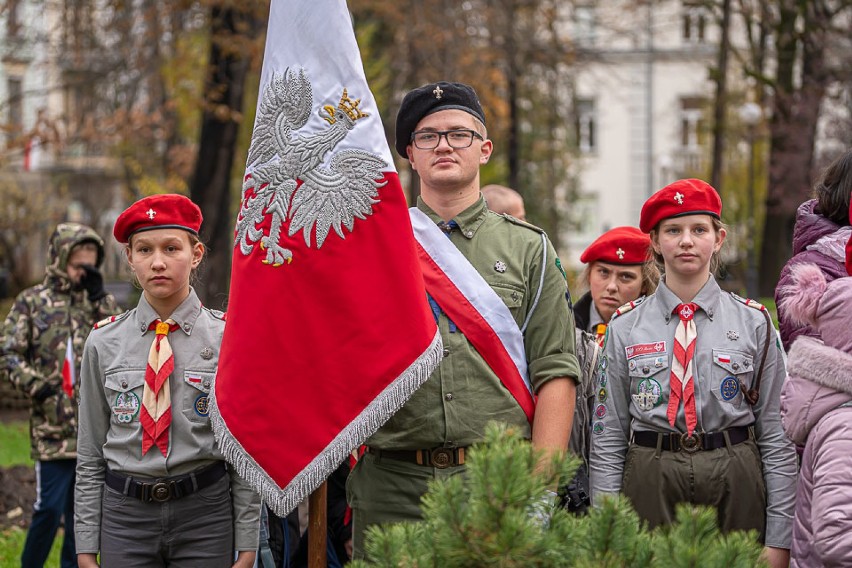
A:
(110, 434)
(632, 381)
(453, 406)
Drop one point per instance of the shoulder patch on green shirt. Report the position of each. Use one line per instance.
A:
(517, 221)
(559, 266)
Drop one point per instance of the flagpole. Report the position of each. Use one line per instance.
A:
(317, 524)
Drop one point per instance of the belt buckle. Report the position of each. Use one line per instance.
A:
(442, 458)
(690, 443)
(160, 492)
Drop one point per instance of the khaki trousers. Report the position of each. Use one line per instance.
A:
(382, 490)
(729, 479)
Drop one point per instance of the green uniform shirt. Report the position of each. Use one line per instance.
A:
(452, 408)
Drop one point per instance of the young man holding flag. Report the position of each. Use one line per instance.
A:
(499, 297)
(42, 342)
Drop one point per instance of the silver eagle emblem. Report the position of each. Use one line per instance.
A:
(331, 196)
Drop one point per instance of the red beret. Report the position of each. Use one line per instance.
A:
(622, 245)
(166, 211)
(683, 197)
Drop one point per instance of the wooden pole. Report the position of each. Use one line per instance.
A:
(317, 526)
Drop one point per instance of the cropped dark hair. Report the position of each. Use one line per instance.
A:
(833, 189)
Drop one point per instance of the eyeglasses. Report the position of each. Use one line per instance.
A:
(429, 139)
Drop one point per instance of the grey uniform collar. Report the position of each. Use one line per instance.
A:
(185, 315)
(707, 298)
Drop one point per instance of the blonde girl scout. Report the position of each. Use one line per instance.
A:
(688, 388)
(152, 487)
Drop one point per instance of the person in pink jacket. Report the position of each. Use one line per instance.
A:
(816, 412)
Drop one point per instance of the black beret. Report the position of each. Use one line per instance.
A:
(430, 98)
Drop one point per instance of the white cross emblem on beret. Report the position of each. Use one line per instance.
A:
(679, 198)
(150, 213)
(620, 253)
(438, 92)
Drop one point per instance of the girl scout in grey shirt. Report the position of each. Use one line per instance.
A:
(152, 488)
(688, 388)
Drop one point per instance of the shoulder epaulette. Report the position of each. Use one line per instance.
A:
(627, 307)
(517, 221)
(216, 313)
(748, 302)
(109, 320)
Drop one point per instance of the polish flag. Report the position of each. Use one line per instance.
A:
(69, 376)
(329, 331)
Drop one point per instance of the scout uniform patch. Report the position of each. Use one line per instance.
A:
(125, 407)
(649, 394)
(729, 387)
(202, 405)
(602, 395)
(600, 411)
(645, 349)
(598, 427)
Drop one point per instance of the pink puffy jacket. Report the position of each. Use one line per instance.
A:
(814, 416)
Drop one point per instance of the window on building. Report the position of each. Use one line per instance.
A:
(694, 22)
(586, 135)
(15, 94)
(692, 122)
(585, 25)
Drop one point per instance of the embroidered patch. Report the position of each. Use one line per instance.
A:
(602, 395)
(202, 405)
(645, 349)
(125, 407)
(562, 270)
(729, 388)
(598, 427)
(604, 363)
(602, 380)
(648, 395)
(723, 358)
(600, 411)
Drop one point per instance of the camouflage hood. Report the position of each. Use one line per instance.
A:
(64, 238)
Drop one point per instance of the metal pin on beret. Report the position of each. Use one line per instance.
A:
(683, 197)
(621, 245)
(431, 98)
(166, 211)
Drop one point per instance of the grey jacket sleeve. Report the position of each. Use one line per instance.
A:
(246, 512)
(776, 451)
(94, 416)
(611, 420)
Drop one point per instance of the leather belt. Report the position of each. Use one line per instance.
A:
(440, 458)
(677, 441)
(166, 488)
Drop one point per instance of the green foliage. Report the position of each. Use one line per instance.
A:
(15, 446)
(494, 518)
(12, 543)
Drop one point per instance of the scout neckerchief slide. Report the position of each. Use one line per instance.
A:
(156, 415)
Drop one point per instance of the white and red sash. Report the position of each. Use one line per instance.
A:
(474, 307)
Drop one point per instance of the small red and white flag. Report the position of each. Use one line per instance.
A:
(329, 331)
(69, 375)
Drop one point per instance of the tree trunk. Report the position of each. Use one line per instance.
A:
(793, 133)
(720, 104)
(210, 187)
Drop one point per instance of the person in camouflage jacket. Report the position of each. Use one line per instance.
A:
(35, 336)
